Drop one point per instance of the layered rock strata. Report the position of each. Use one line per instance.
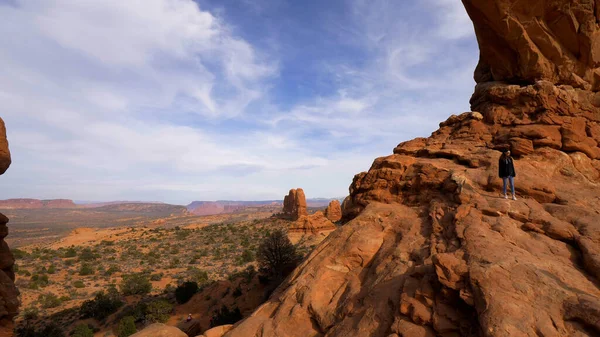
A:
(312, 224)
(430, 248)
(9, 301)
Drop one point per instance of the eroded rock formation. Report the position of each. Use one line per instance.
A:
(9, 301)
(294, 204)
(315, 223)
(431, 249)
(525, 41)
(333, 211)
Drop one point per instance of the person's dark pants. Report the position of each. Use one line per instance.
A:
(512, 184)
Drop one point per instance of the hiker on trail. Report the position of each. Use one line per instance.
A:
(189, 318)
(506, 171)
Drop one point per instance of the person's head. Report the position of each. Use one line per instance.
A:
(506, 153)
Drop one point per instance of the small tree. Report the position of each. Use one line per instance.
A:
(136, 284)
(102, 305)
(70, 252)
(158, 311)
(225, 316)
(184, 292)
(86, 269)
(82, 330)
(277, 256)
(126, 327)
(49, 300)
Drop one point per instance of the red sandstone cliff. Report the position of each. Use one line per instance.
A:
(430, 248)
(9, 302)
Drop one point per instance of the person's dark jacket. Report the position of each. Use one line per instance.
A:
(506, 167)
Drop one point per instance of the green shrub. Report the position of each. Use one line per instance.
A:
(70, 252)
(197, 275)
(49, 300)
(87, 255)
(86, 269)
(82, 330)
(111, 270)
(126, 327)
(38, 281)
(102, 305)
(50, 330)
(79, 284)
(158, 311)
(135, 284)
(30, 313)
(247, 256)
(184, 292)
(51, 269)
(19, 254)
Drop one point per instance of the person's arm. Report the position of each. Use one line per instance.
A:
(513, 167)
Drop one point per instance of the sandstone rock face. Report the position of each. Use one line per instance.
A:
(430, 248)
(4, 153)
(312, 224)
(9, 300)
(294, 204)
(333, 212)
(525, 41)
(191, 328)
(160, 330)
(217, 331)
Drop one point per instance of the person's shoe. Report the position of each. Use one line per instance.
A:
(514, 197)
(505, 196)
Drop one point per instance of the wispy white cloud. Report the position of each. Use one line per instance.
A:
(164, 100)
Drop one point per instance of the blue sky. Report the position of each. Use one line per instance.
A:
(176, 100)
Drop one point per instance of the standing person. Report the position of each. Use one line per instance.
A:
(506, 171)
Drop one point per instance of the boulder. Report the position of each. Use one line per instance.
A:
(191, 328)
(218, 331)
(159, 330)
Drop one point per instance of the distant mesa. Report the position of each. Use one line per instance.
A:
(36, 203)
(226, 206)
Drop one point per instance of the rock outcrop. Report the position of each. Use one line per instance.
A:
(294, 204)
(4, 153)
(333, 211)
(524, 41)
(430, 248)
(191, 328)
(217, 331)
(159, 330)
(9, 300)
(312, 224)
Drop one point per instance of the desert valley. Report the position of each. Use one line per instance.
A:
(425, 244)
